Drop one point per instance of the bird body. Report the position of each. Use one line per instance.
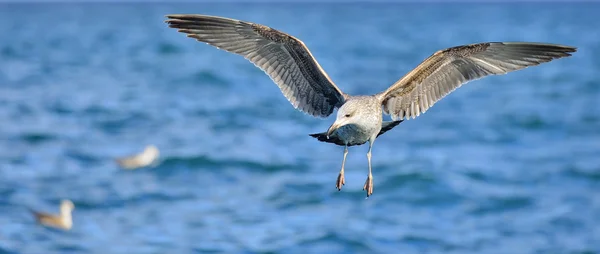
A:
(63, 220)
(359, 120)
(143, 159)
(289, 63)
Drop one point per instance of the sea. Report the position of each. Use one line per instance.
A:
(507, 164)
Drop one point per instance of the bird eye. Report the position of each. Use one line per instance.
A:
(347, 115)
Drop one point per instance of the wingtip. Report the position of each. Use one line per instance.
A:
(170, 21)
(568, 51)
(175, 16)
(567, 48)
(171, 17)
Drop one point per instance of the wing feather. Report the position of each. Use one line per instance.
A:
(448, 69)
(286, 60)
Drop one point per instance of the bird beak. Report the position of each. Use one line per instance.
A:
(334, 127)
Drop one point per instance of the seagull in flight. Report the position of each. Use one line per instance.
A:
(289, 63)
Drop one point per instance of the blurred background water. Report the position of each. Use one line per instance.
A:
(506, 164)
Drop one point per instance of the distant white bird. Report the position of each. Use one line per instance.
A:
(305, 84)
(61, 221)
(143, 159)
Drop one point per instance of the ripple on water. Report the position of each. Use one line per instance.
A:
(501, 205)
(590, 175)
(37, 138)
(207, 162)
(165, 48)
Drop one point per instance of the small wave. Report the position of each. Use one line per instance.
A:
(118, 202)
(583, 174)
(6, 251)
(60, 108)
(9, 52)
(412, 177)
(590, 119)
(422, 241)
(207, 162)
(293, 195)
(167, 49)
(98, 110)
(117, 125)
(347, 243)
(529, 122)
(209, 77)
(483, 177)
(155, 196)
(500, 205)
(70, 248)
(37, 138)
(83, 157)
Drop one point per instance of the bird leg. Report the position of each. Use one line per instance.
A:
(340, 179)
(369, 183)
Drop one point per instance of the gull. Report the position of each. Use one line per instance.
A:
(143, 159)
(289, 63)
(61, 221)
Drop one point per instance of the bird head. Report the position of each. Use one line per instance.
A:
(151, 150)
(66, 206)
(347, 114)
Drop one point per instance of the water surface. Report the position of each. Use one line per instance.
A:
(506, 164)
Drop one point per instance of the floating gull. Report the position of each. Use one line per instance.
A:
(146, 158)
(61, 221)
(305, 84)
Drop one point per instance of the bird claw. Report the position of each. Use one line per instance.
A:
(368, 186)
(341, 181)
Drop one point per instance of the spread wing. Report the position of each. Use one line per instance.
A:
(284, 58)
(448, 69)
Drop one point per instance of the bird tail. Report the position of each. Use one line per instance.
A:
(37, 215)
(323, 138)
(385, 126)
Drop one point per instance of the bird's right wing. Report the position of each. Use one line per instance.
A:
(448, 69)
(284, 58)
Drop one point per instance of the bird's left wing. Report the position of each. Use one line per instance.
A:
(448, 69)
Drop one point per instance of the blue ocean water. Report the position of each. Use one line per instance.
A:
(506, 164)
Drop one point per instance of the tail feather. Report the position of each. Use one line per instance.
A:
(333, 139)
(385, 126)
